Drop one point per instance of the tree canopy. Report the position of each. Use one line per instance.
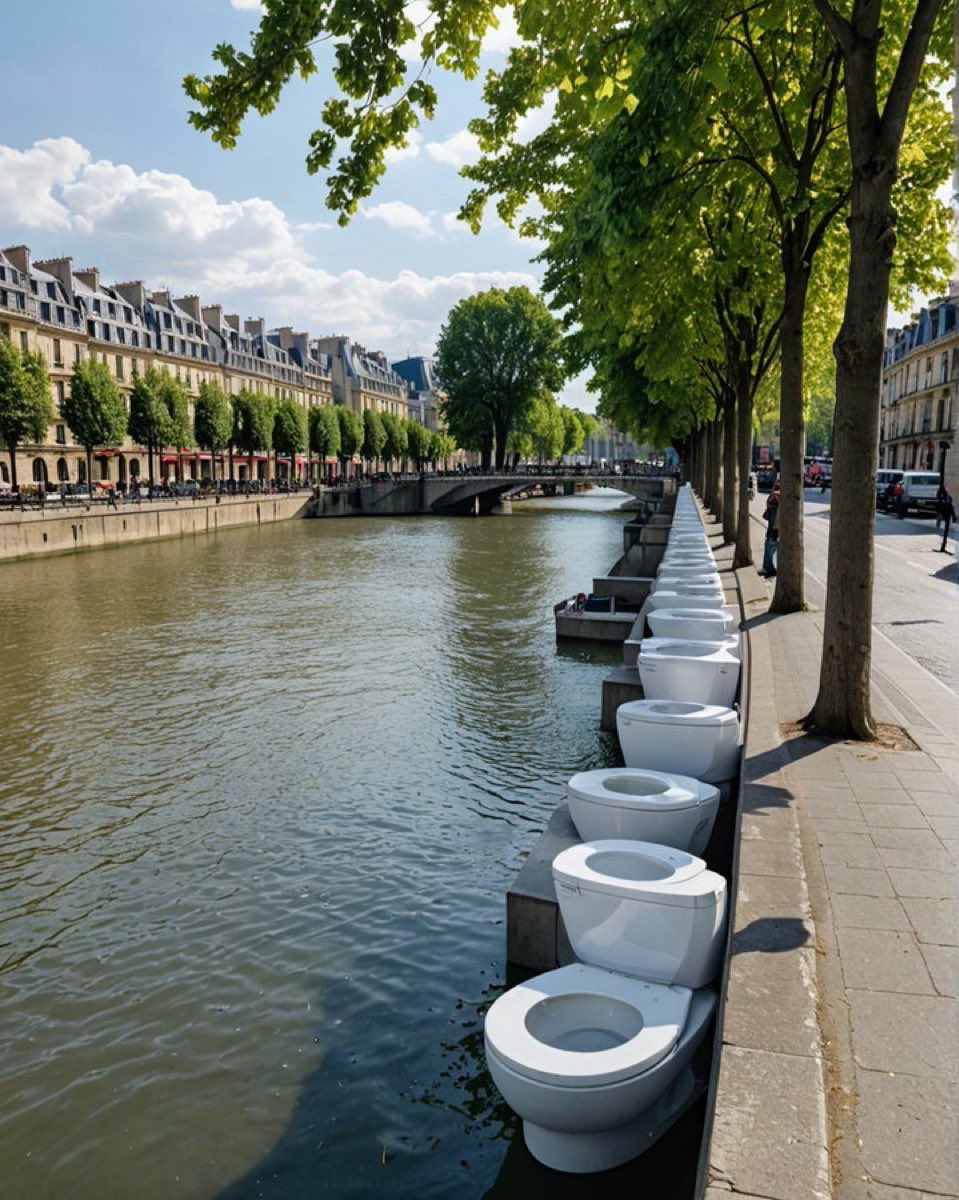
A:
(94, 409)
(26, 409)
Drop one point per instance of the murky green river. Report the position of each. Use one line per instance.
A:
(261, 799)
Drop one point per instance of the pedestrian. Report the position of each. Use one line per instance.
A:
(771, 544)
(112, 496)
(946, 512)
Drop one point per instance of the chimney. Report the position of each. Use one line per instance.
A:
(134, 292)
(20, 257)
(213, 315)
(89, 276)
(59, 268)
(191, 304)
(162, 298)
(255, 327)
(233, 320)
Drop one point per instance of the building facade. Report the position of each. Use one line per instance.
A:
(920, 390)
(424, 394)
(70, 314)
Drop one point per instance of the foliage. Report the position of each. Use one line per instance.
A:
(442, 446)
(94, 409)
(374, 435)
(212, 418)
(419, 440)
(289, 430)
(252, 421)
(26, 409)
(396, 444)
(546, 428)
(324, 431)
(497, 353)
(174, 401)
(147, 423)
(351, 432)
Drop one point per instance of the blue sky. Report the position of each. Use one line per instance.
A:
(97, 161)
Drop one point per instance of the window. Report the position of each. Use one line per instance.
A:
(944, 367)
(119, 367)
(63, 472)
(61, 436)
(57, 353)
(60, 398)
(112, 310)
(96, 307)
(24, 342)
(76, 352)
(44, 311)
(940, 413)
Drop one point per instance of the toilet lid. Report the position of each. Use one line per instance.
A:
(546, 1003)
(682, 791)
(674, 712)
(637, 870)
(653, 648)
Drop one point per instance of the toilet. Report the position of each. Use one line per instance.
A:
(595, 1056)
(666, 578)
(644, 805)
(696, 624)
(730, 641)
(701, 740)
(672, 669)
(688, 587)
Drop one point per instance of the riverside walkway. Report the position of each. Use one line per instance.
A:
(840, 1055)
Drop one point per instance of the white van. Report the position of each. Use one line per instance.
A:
(919, 489)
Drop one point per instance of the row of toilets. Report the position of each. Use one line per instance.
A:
(596, 1056)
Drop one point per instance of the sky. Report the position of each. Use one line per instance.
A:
(97, 161)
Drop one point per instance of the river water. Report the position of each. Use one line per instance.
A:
(262, 796)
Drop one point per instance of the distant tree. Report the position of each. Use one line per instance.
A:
(94, 410)
(289, 431)
(149, 421)
(419, 439)
(498, 351)
(252, 423)
(212, 421)
(573, 432)
(546, 428)
(25, 405)
(374, 437)
(351, 434)
(396, 445)
(174, 401)
(442, 447)
(324, 433)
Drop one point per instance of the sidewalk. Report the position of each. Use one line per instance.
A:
(841, 1038)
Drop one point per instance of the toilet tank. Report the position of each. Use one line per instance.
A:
(648, 911)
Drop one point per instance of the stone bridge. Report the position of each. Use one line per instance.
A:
(463, 495)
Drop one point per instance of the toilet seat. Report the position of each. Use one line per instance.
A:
(525, 1024)
(676, 712)
(681, 791)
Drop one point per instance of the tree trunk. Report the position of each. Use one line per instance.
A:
(213, 466)
(728, 515)
(150, 462)
(843, 705)
(790, 561)
(743, 555)
(89, 450)
(713, 466)
(12, 447)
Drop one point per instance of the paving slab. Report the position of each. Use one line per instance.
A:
(883, 1040)
(885, 959)
(908, 1131)
(934, 920)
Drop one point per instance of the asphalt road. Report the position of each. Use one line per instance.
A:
(915, 595)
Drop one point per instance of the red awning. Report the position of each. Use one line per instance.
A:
(168, 458)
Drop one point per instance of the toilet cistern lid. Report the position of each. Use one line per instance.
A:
(674, 712)
(640, 789)
(546, 1028)
(639, 871)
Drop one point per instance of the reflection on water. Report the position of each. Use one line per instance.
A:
(262, 797)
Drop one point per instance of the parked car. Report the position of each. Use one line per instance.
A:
(918, 493)
(766, 479)
(886, 481)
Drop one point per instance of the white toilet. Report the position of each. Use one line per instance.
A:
(730, 641)
(643, 805)
(696, 624)
(671, 669)
(595, 1056)
(702, 740)
(666, 578)
(689, 587)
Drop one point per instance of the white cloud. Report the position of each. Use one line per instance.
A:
(456, 151)
(452, 224)
(502, 39)
(247, 4)
(400, 216)
(29, 179)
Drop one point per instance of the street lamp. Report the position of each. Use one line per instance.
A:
(947, 508)
(943, 447)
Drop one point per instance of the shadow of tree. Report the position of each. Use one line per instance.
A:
(771, 935)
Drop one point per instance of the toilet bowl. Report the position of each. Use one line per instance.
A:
(666, 578)
(688, 587)
(729, 641)
(700, 740)
(697, 624)
(685, 670)
(643, 805)
(595, 1056)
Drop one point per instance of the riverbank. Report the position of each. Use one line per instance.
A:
(68, 530)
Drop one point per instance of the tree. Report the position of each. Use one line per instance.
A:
(174, 403)
(351, 435)
(396, 445)
(374, 437)
(324, 433)
(289, 431)
(149, 420)
(26, 409)
(94, 409)
(875, 124)
(212, 421)
(498, 351)
(418, 440)
(252, 424)
(442, 447)
(574, 432)
(544, 422)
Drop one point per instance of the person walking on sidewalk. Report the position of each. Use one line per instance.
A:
(945, 512)
(770, 546)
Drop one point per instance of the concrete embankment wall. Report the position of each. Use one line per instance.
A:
(56, 530)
